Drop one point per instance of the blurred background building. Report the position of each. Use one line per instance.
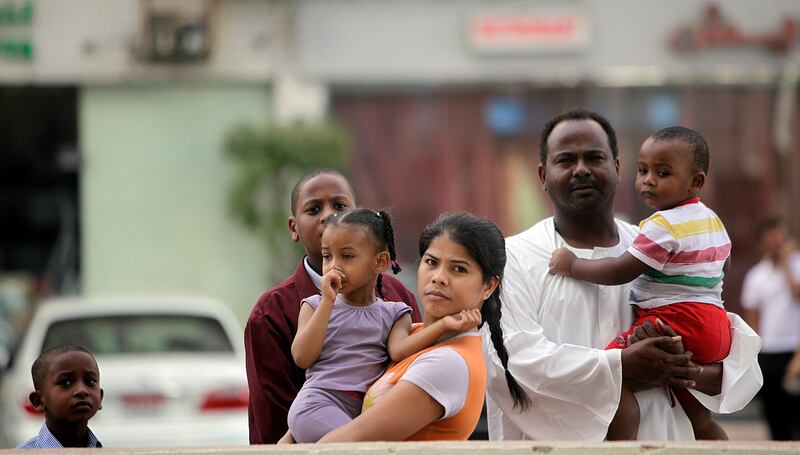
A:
(114, 116)
(113, 176)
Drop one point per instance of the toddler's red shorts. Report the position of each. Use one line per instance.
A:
(704, 329)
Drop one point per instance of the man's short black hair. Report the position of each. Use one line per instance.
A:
(42, 363)
(768, 224)
(577, 114)
(697, 144)
(310, 175)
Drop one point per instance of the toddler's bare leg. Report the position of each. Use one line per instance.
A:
(625, 426)
(703, 425)
(287, 438)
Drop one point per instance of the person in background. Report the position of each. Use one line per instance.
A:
(272, 375)
(771, 302)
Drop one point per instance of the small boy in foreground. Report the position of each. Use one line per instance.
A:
(67, 389)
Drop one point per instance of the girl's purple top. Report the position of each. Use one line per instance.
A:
(354, 354)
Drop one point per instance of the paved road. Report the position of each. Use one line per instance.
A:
(745, 430)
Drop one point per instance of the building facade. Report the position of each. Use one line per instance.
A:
(444, 101)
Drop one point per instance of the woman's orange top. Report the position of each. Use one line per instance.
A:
(460, 425)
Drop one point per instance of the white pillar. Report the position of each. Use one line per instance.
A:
(298, 98)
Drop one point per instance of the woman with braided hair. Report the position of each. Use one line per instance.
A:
(437, 393)
(346, 335)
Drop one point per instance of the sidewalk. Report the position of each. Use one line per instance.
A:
(745, 425)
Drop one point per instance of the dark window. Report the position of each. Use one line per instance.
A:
(140, 334)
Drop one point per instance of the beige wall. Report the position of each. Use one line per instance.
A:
(153, 192)
(85, 41)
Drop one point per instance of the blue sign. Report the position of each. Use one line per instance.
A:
(504, 116)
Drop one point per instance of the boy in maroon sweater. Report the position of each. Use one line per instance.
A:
(272, 375)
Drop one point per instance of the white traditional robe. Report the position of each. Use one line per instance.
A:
(555, 330)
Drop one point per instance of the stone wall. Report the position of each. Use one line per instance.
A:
(474, 448)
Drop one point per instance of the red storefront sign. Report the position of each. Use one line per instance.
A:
(546, 32)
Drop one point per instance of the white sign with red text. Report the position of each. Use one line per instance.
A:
(547, 32)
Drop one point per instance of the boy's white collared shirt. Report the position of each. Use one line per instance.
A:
(46, 440)
(316, 278)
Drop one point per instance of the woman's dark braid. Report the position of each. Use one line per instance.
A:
(490, 313)
(484, 242)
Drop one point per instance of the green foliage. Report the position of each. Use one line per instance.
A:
(269, 161)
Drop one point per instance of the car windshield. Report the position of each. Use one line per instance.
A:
(140, 334)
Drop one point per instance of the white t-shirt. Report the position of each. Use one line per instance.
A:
(766, 289)
(555, 329)
(448, 386)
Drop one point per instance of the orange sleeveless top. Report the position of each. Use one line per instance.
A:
(460, 425)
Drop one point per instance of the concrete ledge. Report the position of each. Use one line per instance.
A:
(468, 448)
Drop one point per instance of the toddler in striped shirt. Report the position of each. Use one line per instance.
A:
(676, 265)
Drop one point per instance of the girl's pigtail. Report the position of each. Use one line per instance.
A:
(388, 236)
(379, 287)
(490, 312)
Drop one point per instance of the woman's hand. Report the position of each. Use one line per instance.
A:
(331, 284)
(561, 262)
(462, 322)
(784, 255)
(786, 251)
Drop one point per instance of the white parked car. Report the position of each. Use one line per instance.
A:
(172, 370)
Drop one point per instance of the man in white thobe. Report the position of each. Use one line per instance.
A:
(556, 328)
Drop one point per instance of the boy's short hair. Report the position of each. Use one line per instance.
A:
(697, 144)
(310, 175)
(577, 114)
(41, 364)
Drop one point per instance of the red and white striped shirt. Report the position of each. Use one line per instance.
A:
(686, 248)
